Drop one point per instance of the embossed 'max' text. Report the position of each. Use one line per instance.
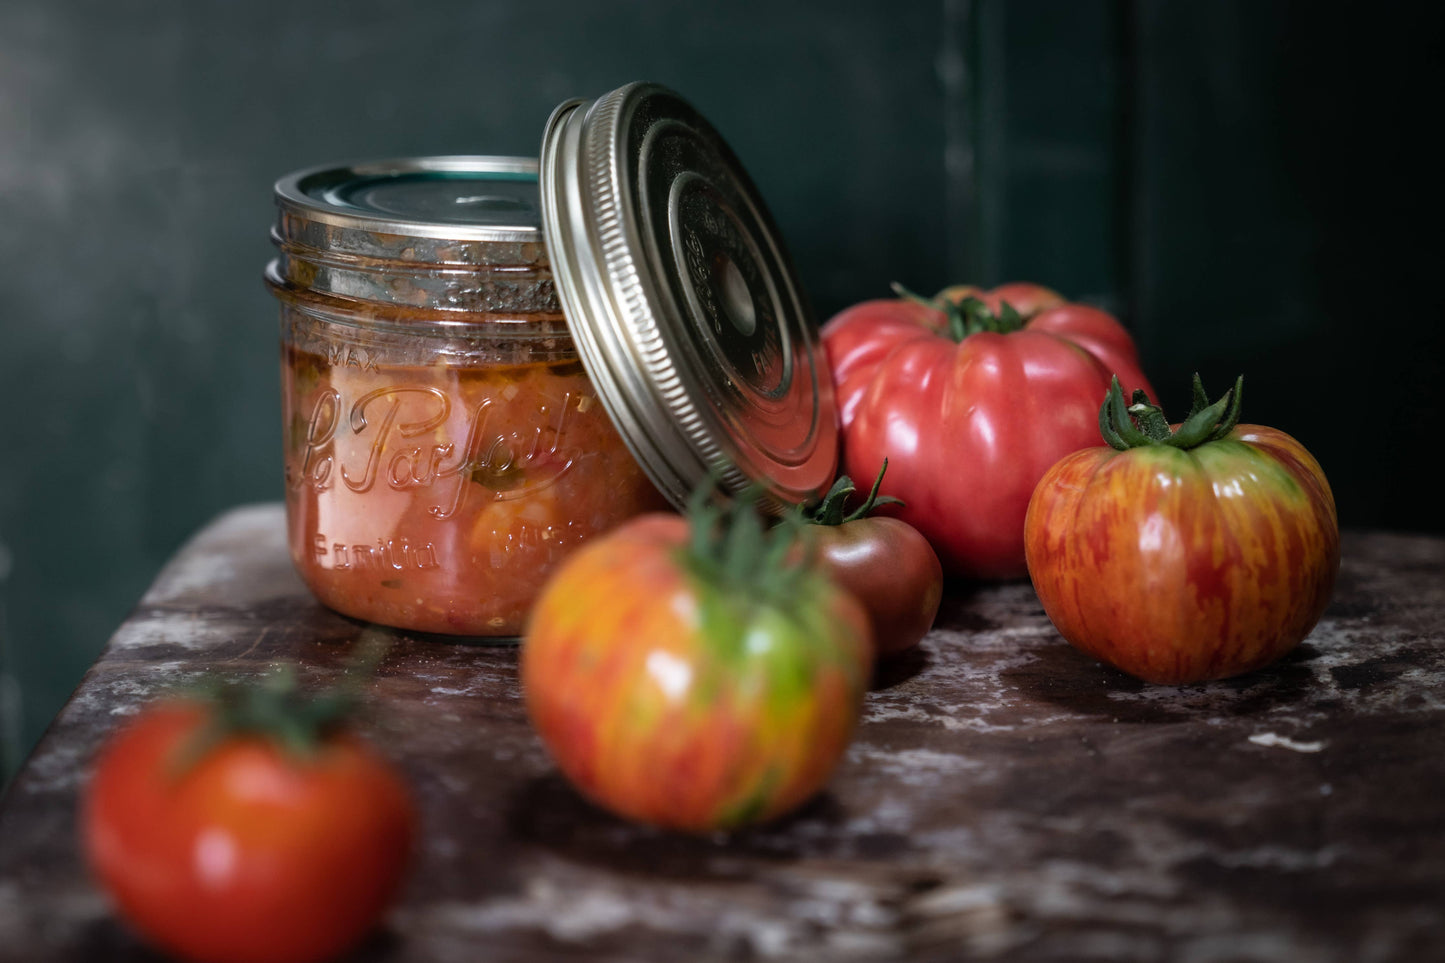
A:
(349, 356)
(509, 464)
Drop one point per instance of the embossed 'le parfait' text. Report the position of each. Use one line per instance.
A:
(526, 459)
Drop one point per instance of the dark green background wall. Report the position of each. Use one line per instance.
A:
(1244, 182)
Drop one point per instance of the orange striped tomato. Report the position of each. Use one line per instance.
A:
(687, 696)
(1179, 555)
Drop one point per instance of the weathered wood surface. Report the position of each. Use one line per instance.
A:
(1006, 798)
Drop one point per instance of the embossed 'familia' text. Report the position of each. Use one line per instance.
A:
(386, 554)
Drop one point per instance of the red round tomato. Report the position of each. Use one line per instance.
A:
(971, 406)
(690, 683)
(238, 850)
(884, 562)
(1180, 556)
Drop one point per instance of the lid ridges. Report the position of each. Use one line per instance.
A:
(603, 174)
(640, 196)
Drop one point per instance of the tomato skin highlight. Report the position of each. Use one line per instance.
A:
(969, 427)
(1183, 566)
(889, 566)
(683, 704)
(247, 855)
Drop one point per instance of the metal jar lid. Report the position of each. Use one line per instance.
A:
(446, 199)
(682, 300)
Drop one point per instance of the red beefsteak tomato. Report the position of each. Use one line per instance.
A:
(695, 675)
(249, 829)
(1179, 555)
(971, 402)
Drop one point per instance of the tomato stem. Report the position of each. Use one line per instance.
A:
(731, 543)
(833, 509)
(968, 316)
(277, 709)
(1142, 422)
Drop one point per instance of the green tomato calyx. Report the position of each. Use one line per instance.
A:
(276, 708)
(969, 316)
(833, 509)
(1141, 422)
(731, 544)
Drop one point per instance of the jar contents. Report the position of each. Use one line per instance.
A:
(444, 447)
(438, 497)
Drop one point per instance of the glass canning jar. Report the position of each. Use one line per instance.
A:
(444, 446)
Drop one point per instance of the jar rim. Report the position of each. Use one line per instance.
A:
(422, 320)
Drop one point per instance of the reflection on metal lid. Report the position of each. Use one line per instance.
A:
(682, 300)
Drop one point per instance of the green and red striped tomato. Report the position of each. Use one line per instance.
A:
(1184, 562)
(676, 697)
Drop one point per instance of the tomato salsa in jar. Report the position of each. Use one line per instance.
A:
(444, 446)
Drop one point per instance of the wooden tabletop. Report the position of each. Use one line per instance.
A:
(1006, 798)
